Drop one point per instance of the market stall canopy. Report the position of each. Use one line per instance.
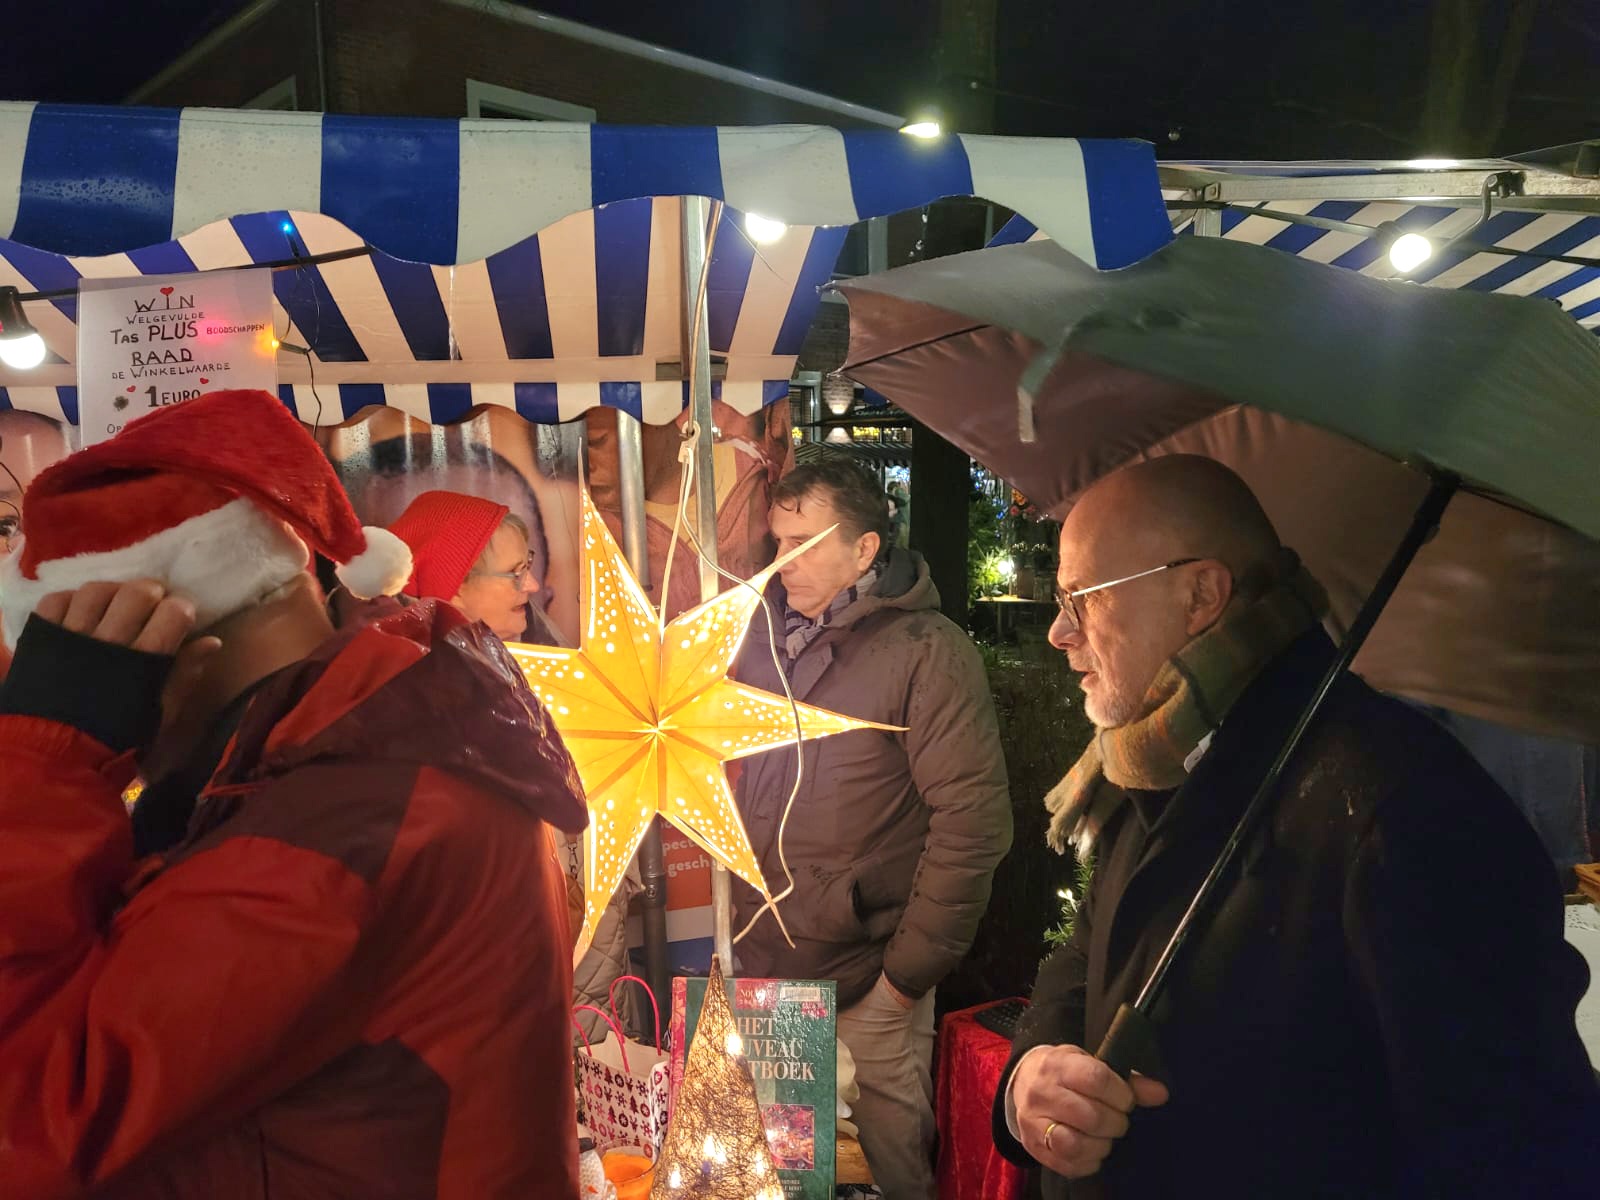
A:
(1548, 212)
(534, 266)
(1316, 385)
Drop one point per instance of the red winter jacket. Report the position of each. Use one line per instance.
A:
(350, 981)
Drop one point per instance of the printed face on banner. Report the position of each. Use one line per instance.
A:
(752, 452)
(28, 444)
(159, 340)
(385, 459)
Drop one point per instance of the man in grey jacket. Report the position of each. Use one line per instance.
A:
(894, 837)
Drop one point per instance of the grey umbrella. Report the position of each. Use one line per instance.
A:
(1333, 395)
(1052, 374)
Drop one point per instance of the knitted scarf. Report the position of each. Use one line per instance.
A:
(1186, 702)
(799, 630)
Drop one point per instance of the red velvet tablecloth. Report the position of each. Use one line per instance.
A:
(971, 1059)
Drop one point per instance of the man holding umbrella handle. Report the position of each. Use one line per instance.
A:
(1379, 1000)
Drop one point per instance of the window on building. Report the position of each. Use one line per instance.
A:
(281, 95)
(492, 100)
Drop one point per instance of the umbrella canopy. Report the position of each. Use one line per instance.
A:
(530, 265)
(1316, 384)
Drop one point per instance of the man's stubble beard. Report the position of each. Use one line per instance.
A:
(1109, 712)
(1107, 707)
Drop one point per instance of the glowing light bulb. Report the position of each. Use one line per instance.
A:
(1409, 251)
(925, 129)
(735, 1044)
(22, 353)
(763, 231)
(675, 1177)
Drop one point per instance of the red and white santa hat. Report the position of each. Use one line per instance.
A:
(218, 498)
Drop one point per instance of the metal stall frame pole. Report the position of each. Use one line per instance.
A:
(696, 212)
(1207, 222)
(636, 548)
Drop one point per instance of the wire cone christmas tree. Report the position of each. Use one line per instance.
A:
(716, 1146)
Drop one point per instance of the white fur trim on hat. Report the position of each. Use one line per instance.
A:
(224, 560)
(382, 569)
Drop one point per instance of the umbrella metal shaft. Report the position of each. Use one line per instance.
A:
(635, 545)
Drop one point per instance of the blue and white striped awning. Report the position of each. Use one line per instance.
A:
(533, 266)
(1574, 233)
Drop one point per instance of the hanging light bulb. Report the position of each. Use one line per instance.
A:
(1409, 251)
(763, 231)
(21, 347)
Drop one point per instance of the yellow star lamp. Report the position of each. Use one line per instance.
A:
(650, 716)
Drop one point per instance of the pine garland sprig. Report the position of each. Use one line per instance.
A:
(1072, 899)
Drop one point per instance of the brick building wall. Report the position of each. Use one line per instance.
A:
(414, 57)
(827, 340)
(278, 44)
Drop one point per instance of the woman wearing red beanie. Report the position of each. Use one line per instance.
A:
(473, 553)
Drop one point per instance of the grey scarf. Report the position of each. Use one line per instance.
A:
(799, 630)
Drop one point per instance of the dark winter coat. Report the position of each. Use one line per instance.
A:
(1382, 1006)
(894, 837)
(351, 979)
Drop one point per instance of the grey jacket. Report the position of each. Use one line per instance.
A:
(894, 837)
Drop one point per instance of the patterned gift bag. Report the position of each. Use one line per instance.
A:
(624, 1085)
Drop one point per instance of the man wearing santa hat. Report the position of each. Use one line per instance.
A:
(349, 976)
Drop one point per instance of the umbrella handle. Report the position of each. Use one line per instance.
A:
(1130, 1044)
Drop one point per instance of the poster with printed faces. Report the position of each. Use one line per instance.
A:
(149, 343)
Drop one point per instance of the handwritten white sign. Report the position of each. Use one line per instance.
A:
(156, 341)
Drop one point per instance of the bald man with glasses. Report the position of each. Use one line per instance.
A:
(1382, 1004)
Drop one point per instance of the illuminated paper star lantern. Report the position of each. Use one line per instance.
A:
(650, 716)
(716, 1147)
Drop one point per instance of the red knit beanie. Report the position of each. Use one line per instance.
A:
(447, 532)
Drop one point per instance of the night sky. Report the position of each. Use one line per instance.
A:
(1236, 80)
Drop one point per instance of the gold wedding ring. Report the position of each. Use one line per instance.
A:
(1048, 1130)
